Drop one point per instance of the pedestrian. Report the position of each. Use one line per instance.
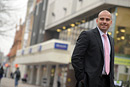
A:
(59, 80)
(93, 55)
(25, 78)
(11, 75)
(1, 74)
(17, 76)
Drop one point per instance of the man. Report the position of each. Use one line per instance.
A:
(93, 56)
(17, 76)
(1, 74)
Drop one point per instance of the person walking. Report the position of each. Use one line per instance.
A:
(93, 55)
(11, 75)
(1, 74)
(25, 77)
(17, 76)
(59, 80)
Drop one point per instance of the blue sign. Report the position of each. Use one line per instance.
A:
(22, 52)
(30, 50)
(40, 48)
(61, 46)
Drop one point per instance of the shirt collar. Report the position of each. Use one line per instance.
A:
(101, 33)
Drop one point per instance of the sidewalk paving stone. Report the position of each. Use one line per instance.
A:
(8, 82)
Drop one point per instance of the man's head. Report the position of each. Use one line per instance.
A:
(17, 68)
(104, 20)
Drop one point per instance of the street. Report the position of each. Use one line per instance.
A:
(8, 82)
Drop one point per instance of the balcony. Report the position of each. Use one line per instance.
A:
(52, 51)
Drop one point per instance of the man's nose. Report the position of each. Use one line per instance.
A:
(104, 21)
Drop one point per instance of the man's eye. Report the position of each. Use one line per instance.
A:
(107, 19)
(101, 19)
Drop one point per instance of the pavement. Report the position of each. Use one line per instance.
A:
(8, 82)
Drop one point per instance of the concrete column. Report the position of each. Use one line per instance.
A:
(7, 72)
(56, 76)
(25, 69)
(118, 73)
(128, 77)
(31, 74)
(38, 79)
(48, 75)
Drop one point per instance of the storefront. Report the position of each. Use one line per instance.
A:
(45, 63)
(122, 44)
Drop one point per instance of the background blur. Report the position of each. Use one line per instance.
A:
(44, 40)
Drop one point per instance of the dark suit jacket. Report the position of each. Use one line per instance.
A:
(88, 58)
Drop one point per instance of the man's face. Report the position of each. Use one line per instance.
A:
(104, 21)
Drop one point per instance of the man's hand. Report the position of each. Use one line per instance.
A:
(81, 83)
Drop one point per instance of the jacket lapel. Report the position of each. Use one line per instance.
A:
(111, 44)
(99, 41)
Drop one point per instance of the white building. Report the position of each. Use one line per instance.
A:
(43, 62)
(65, 20)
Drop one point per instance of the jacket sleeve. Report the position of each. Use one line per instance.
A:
(78, 55)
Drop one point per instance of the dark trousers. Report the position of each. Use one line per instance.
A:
(104, 81)
(16, 82)
(58, 84)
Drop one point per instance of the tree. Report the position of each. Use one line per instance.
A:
(10, 13)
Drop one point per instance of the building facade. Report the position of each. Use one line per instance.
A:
(64, 20)
(38, 27)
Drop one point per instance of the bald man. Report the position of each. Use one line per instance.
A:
(93, 55)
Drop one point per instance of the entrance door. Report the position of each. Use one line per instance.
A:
(52, 75)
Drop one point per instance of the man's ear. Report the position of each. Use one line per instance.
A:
(111, 21)
(97, 20)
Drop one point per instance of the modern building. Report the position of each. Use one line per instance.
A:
(1, 58)
(20, 40)
(38, 28)
(53, 39)
(29, 23)
(17, 45)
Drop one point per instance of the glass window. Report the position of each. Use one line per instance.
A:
(86, 25)
(122, 33)
(94, 23)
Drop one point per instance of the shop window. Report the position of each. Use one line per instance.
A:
(126, 70)
(122, 34)
(122, 41)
